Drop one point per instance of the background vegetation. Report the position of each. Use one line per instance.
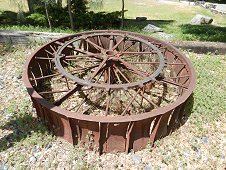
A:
(106, 14)
(174, 18)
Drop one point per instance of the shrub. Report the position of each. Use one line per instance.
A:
(36, 19)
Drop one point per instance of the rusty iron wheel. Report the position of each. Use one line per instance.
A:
(114, 90)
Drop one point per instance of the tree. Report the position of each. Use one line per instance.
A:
(59, 3)
(30, 5)
(70, 15)
(123, 11)
(46, 2)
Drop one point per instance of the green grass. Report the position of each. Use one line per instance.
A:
(175, 16)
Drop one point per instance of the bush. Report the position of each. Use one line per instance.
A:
(8, 17)
(36, 19)
(59, 17)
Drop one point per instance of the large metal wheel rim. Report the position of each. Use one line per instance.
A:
(105, 119)
(125, 86)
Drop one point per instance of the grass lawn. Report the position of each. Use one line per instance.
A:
(172, 17)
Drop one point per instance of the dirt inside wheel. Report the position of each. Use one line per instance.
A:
(112, 90)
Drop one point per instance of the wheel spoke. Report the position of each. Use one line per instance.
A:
(144, 62)
(133, 43)
(94, 45)
(83, 69)
(131, 67)
(44, 77)
(148, 100)
(117, 76)
(138, 53)
(173, 83)
(53, 91)
(99, 41)
(121, 74)
(79, 56)
(43, 58)
(98, 69)
(108, 102)
(87, 52)
(130, 102)
(118, 43)
(67, 95)
(111, 42)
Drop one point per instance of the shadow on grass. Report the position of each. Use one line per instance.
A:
(22, 127)
(187, 111)
(141, 24)
(183, 115)
(204, 32)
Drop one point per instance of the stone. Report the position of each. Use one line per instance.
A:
(201, 19)
(205, 140)
(165, 35)
(152, 28)
(141, 18)
(49, 145)
(3, 167)
(147, 167)
(46, 164)
(33, 160)
(136, 159)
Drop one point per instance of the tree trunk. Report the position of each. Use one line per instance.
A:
(70, 15)
(47, 16)
(123, 11)
(30, 5)
(59, 3)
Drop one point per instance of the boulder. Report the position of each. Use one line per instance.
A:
(201, 19)
(152, 28)
(141, 18)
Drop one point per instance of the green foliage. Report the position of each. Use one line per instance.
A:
(217, 1)
(36, 19)
(83, 18)
(8, 17)
(100, 20)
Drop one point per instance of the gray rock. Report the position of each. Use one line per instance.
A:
(205, 140)
(46, 164)
(136, 159)
(141, 18)
(4, 167)
(33, 160)
(35, 149)
(152, 28)
(49, 145)
(164, 35)
(201, 19)
(147, 167)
